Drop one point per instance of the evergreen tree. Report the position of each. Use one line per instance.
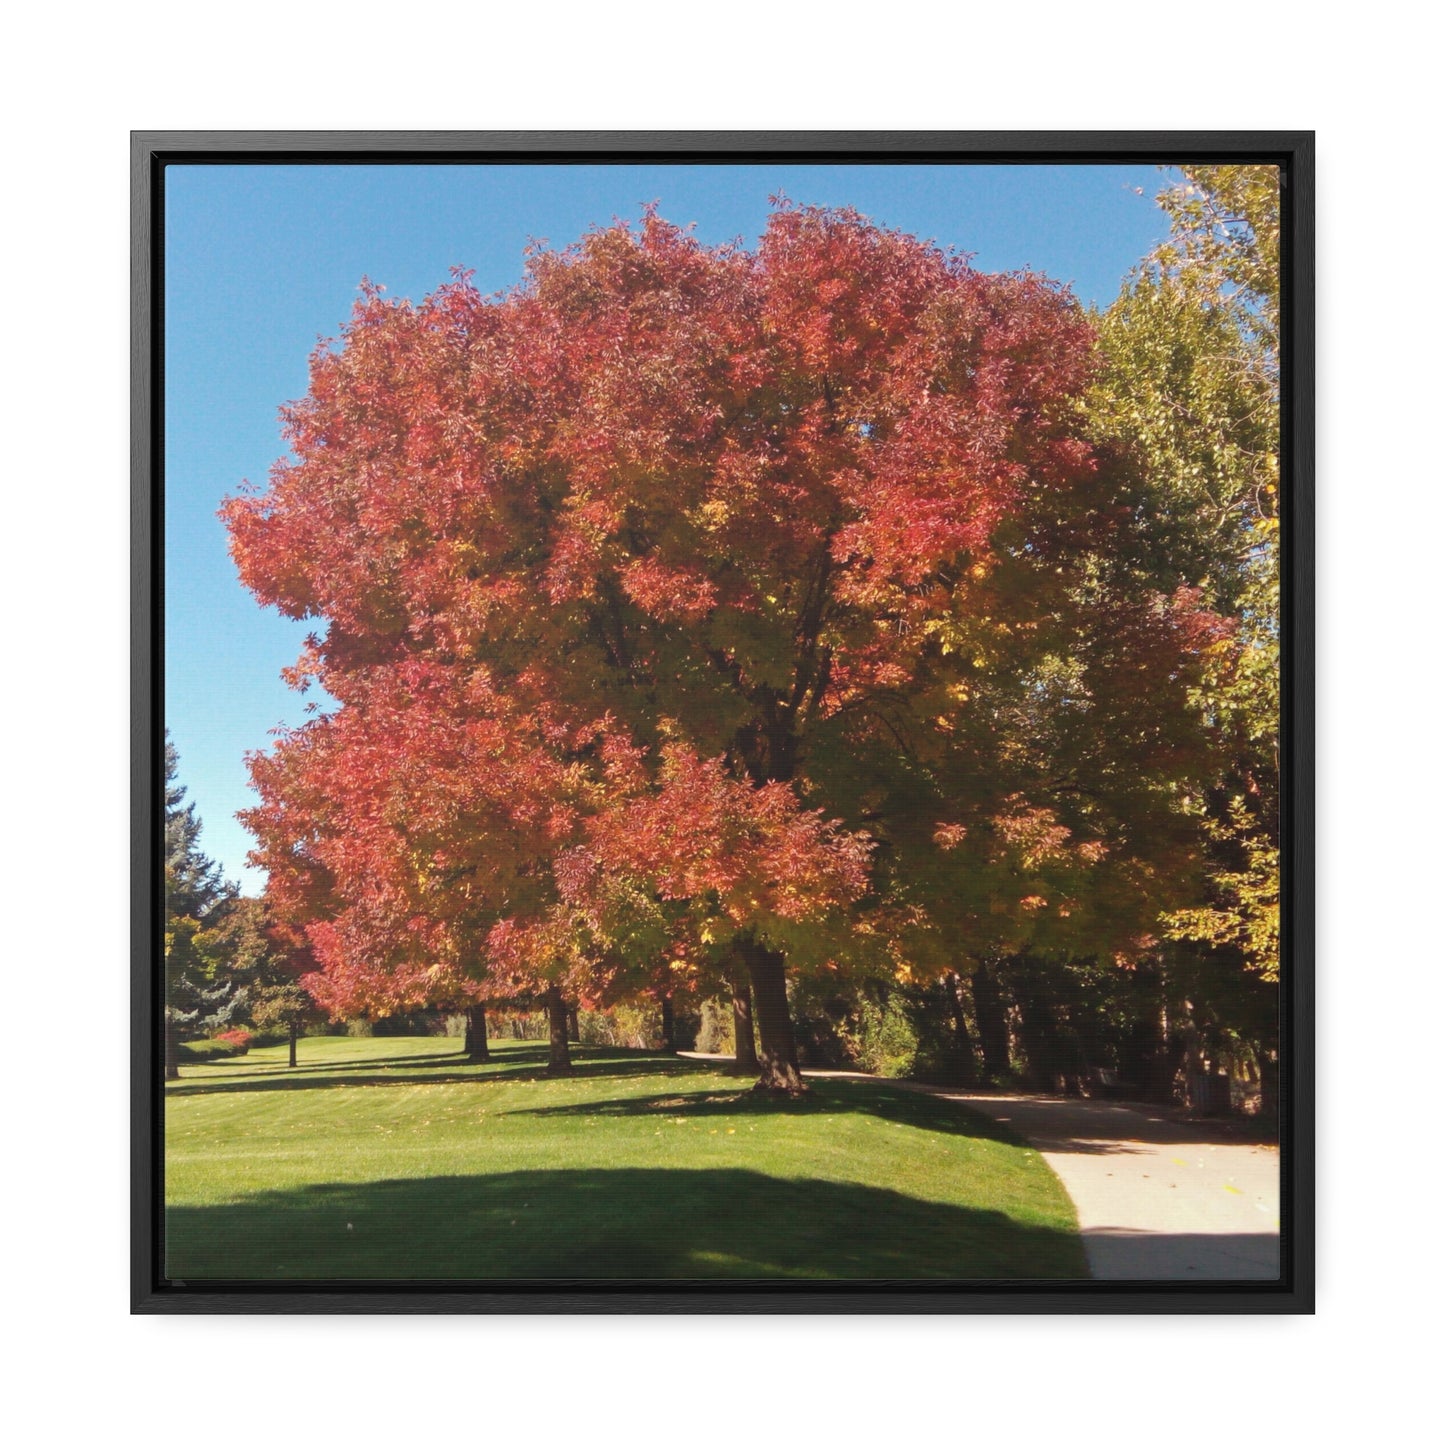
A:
(201, 993)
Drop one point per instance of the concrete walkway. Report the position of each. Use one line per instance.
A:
(1160, 1196)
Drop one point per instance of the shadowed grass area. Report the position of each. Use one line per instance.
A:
(633, 1224)
(395, 1159)
(326, 1062)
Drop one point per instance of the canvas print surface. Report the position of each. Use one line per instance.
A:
(722, 723)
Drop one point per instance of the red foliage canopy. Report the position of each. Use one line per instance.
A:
(613, 563)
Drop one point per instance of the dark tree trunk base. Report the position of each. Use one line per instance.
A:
(1167, 1047)
(777, 1048)
(991, 1012)
(475, 1044)
(737, 1070)
(745, 1049)
(560, 1058)
(953, 1001)
(1269, 1088)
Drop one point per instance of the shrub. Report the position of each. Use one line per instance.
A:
(420, 1023)
(880, 1037)
(820, 1010)
(626, 1026)
(943, 1056)
(529, 1024)
(686, 1024)
(240, 1037)
(204, 1051)
(886, 1029)
(715, 1027)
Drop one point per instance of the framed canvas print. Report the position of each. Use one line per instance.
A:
(722, 722)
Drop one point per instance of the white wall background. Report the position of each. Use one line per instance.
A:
(77, 83)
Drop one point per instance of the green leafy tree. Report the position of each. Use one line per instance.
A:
(1189, 391)
(284, 1007)
(1194, 347)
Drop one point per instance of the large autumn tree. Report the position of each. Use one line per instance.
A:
(724, 543)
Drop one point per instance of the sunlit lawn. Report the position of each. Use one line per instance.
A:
(385, 1159)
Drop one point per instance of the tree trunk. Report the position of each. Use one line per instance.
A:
(292, 1034)
(951, 994)
(476, 1039)
(988, 1005)
(1269, 1086)
(669, 1024)
(745, 1049)
(560, 1061)
(172, 1051)
(1042, 1048)
(1187, 1048)
(574, 1026)
(777, 1048)
(1164, 1060)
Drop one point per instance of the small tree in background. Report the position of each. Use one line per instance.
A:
(201, 993)
(284, 1008)
(267, 972)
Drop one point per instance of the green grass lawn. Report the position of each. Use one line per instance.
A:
(387, 1159)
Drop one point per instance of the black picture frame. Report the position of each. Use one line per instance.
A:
(1293, 151)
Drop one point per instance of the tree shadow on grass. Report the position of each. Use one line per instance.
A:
(1064, 1125)
(511, 1066)
(835, 1096)
(344, 1066)
(607, 1224)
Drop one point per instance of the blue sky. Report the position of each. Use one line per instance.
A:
(261, 261)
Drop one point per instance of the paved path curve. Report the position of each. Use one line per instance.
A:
(1160, 1196)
